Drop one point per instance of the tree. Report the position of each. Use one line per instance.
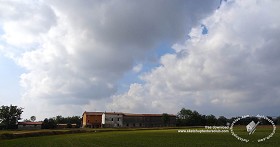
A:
(222, 121)
(52, 123)
(183, 117)
(75, 120)
(33, 118)
(69, 125)
(278, 120)
(265, 121)
(196, 119)
(184, 113)
(187, 117)
(49, 123)
(9, 116)
(45, 124)
(211, 120)
(59, 119)
(65, 120)
(165, 119)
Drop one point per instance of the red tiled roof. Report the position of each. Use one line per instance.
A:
(30, 123)
(93, 113)
(152, 115)
(113, 113)
(126, 114)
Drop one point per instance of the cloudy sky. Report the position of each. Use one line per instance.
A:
(66, 57)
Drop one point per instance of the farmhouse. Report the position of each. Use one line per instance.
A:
(119, 119)
(92, 119)
(29, 125)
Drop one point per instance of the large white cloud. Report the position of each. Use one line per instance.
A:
(232, 70)
(75, 52)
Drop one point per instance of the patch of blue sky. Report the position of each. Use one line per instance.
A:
(153, 58)
(9, 81)
(128, 78)
(131, 76)
(222, 2)
(151, 61)
(204, 29)
(164, 48)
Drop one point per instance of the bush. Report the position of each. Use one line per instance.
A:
(41, 133)
(69, 125)
(7, 136)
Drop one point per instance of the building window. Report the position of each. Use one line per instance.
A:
(127, 125)
(118, 119)
(112, 119)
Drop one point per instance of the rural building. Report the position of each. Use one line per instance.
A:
(112, 119)
(29, 125)
(148, 120)
(63, 126)
(92, 119)
(118, 119)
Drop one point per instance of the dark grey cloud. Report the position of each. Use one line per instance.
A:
(76, 51)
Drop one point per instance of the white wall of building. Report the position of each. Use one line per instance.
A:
(112, 119)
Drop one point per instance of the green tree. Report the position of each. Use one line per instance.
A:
(72, 120)
(9, 116)
(184, 113)
(211, 120)
(196, 119)
(222, 121)
(33, 118)
(278, 120)
(52, 123)
(59, 119)
(45, 124)
(183, 117)
(187, 117)
(165, 119)
(69, 125)
(49, 123)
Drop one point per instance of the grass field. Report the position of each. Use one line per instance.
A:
(162, 137)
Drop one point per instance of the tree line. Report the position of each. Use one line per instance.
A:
(10, 115)
(51, 123)
(187, 117)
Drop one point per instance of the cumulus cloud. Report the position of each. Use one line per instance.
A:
(22, 24)
(75, 52)
(231, 70)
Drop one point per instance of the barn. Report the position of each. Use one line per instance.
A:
(29, 125)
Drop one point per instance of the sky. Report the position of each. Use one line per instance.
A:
(66, 57)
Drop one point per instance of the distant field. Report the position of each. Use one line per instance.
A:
(162, 137)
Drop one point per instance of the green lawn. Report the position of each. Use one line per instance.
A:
(168, 137)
